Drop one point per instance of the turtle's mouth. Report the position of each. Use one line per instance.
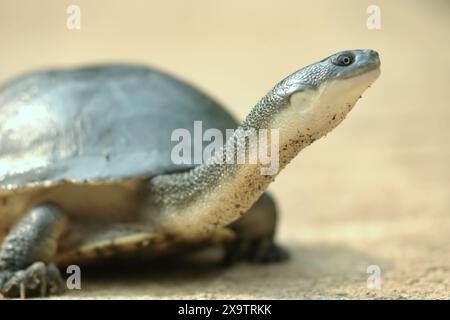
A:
(372, 68)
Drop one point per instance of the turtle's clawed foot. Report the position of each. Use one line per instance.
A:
(256, 251)
(39, 279)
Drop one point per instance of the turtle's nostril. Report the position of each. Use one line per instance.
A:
(373, 57)
(373, 53)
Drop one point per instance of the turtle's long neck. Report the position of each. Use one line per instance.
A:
(216, 193)
(303, 107)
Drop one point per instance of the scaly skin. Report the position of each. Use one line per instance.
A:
(303, 107)
(26, 254)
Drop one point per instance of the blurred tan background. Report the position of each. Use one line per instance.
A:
(376, 191)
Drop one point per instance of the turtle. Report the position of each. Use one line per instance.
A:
(87, 169)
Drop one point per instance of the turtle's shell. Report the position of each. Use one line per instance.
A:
(94, 124)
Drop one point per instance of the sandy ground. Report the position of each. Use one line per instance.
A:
(374, 192)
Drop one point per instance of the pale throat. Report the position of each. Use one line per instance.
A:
(313, 113)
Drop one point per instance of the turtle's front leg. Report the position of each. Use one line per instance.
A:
(255, 235)
(27, 252)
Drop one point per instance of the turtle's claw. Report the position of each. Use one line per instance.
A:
(39, 279)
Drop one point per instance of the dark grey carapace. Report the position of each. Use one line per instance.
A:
(86, 171)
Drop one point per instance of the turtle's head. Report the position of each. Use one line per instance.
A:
(317, 98)
(350, 64)
(351, 68)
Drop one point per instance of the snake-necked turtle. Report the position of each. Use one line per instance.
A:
(86, 167)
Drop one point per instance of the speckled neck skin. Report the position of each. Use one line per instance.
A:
(303, 107)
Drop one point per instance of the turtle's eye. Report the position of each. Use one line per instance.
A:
(343, 59)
